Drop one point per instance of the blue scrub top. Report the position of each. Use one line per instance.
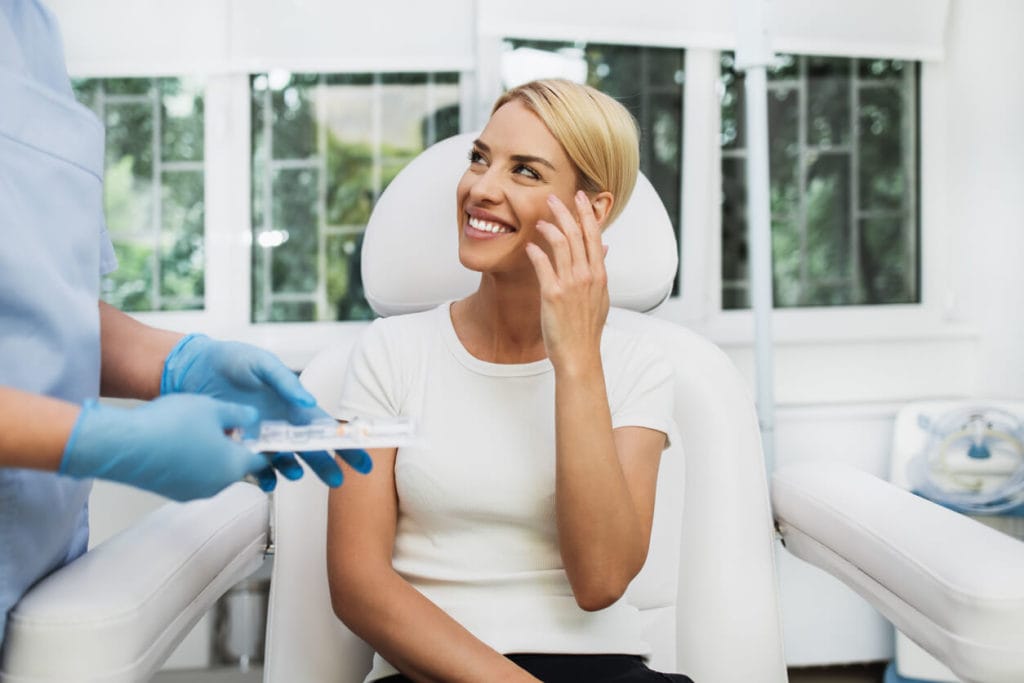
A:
(53, 251)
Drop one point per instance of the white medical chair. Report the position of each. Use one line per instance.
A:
(708, 590)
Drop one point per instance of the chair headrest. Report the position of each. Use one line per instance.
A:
(410, 256)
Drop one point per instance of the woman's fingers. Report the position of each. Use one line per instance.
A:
(570, 228)
(542, 265)
(562, 258)
(591, 232)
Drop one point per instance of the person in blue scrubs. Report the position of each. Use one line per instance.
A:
(61, 348)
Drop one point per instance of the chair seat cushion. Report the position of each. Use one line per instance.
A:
(115, 613)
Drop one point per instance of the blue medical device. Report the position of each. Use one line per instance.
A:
(972, 461)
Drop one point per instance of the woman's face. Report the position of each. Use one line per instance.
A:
(514, 166)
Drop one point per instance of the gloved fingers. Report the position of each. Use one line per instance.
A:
(235, 415)
(286, 464)
(358, 459)
(325, 466)
(282, 380)
(266, 478)
(301, 415)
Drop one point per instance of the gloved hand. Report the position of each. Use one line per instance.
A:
(174, 445)
(242, 373)
(321, 462)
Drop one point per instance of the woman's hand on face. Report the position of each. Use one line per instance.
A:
(573, 283)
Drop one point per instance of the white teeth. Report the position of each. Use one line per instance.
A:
(487, 226)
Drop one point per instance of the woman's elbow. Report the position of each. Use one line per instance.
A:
(603, 587)
(597, 595)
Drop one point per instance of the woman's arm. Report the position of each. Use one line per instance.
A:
(133, 355)
(379, 606)
(604, 490)
(604, 482)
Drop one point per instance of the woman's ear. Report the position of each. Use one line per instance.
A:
(602, 203)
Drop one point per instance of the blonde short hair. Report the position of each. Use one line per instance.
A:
(598, 134)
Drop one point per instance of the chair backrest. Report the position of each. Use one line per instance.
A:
(708, 591)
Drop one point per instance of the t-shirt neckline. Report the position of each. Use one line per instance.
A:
(455, 346)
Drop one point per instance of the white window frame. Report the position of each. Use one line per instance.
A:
(701, 302)
(812, 345)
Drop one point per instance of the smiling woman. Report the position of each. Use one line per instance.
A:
(540, 515)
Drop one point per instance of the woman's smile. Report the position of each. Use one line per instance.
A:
(483, 225)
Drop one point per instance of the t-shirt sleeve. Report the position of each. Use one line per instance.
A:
(369, 388)
(644, 395)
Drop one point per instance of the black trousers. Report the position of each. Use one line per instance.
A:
(583, 669)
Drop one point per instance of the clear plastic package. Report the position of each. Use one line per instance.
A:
(329, 434)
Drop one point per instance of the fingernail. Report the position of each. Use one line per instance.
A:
(552, 199)
(581, 196)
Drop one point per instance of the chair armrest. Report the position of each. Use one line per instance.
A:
(951, 584)
(117, 612)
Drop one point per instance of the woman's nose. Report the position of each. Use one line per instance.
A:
(486, 187)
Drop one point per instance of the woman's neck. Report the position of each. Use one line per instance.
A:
(500, 322)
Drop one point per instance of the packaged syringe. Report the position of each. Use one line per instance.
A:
(329, 434)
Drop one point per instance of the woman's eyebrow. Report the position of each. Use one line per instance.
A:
(526, 159)
(518, 158)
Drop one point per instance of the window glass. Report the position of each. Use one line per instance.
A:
(324, 146)
(843, 161)
(647, 80)
(153, 189)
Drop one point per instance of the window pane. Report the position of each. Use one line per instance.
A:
(153, 189)
(883, 147)
(884, 270)
(296, 217)
(647, 81)
(181, 240)
(324, 148)
(827, 241)
(344, 286)
(735, 292)
(734, 127)
(784, 152)
(293, 118)
(828, 101)
(843, 162)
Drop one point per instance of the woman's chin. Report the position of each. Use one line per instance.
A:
(471, 257)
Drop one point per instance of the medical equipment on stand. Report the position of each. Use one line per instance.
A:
(973, 461)
(968, 457)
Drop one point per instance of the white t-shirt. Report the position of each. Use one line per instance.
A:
(476, 521)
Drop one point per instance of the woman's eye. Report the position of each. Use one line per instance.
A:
(475, 157)
(522, 169)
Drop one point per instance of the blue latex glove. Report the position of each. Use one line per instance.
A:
(242, 373)
(174, 446)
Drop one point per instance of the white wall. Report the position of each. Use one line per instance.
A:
(841, 375)
(985, 201)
